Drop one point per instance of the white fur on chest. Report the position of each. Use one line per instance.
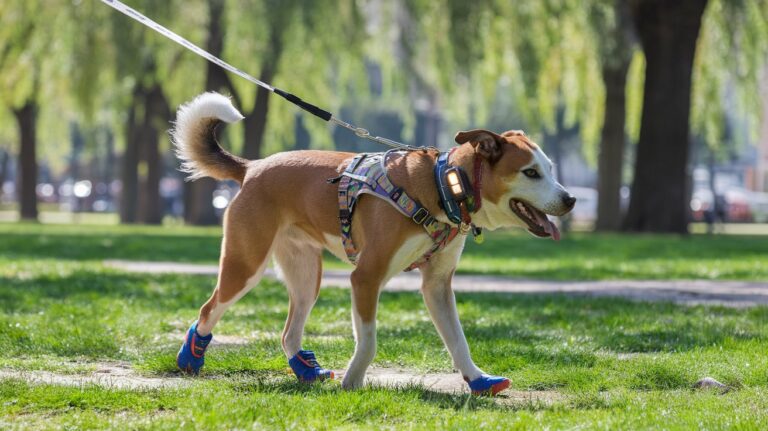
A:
(412, 250)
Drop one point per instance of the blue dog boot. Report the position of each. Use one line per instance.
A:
(191, 356)
(307, 370)
(487, 385)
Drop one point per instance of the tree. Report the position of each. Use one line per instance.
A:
(732, 50)
(668, 31)
(4, 159)
(289, 41)
(146, 63)
(612, 24)
(25, 49)
(198, 194)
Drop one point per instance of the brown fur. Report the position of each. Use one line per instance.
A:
(286, 208)
(290, 188)
(504, 155)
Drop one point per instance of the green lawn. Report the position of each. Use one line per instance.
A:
(579, 256)
(617, 364)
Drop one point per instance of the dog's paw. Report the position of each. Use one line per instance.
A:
(352, 382)
(191, 356)
(304, 364)
(487, 385)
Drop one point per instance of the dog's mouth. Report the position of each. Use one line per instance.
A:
(538, 222)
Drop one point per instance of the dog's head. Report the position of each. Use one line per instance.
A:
(520, 189)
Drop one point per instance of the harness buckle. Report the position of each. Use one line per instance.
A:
(420, 215)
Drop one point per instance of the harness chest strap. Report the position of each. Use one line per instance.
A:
(367, 174)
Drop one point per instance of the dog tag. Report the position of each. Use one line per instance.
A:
(477, 235)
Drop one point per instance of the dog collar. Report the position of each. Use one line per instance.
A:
(458, 197)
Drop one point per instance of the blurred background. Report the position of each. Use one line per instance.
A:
(655, 112)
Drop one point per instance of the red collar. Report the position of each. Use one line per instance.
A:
(477, 182)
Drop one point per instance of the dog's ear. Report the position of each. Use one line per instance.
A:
(511, 133)
(488, 144)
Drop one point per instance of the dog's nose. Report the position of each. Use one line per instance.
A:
(569, 200)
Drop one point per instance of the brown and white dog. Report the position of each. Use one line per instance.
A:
(287, 210)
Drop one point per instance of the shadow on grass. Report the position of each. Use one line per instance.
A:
(74, 313)
(266, 383)
(611, 324)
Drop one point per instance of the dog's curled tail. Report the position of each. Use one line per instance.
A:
(194, 137)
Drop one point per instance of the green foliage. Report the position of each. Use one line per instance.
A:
(538, 51)
(309, 60)
(477, 62)
(731, 56)
(34, 66)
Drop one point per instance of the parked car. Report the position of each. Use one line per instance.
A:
(759, 207)
(739, 205)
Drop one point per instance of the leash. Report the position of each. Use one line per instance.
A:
(448, 199)
(312, 109)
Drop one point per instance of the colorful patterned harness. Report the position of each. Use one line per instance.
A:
(367, 173)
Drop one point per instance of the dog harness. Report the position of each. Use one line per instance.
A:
(367, 173)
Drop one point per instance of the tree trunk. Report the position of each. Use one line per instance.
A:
(612, 145)
(668, 31)
(156, 111)
(107, 173)
(4, 159)
(616, 58)
(198, 195)
(554, 142)
(256, 120)
(26, 117)
(129, 196)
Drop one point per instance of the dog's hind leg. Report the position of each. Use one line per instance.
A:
(235, 280)
(245, 252)
(301, 265)
(301, 269)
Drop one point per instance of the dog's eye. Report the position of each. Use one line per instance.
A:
(531, 173)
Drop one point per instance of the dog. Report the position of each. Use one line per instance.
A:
(289, 210)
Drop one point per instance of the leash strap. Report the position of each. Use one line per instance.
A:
(312, 109)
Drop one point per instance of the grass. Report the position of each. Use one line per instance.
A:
(579, 256)
(617, 364)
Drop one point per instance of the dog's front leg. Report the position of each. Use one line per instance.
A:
(365, 298)
(441, 303)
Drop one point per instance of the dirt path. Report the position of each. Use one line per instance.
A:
(690, 292)
(117, 375)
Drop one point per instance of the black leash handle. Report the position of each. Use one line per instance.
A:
(296, 100)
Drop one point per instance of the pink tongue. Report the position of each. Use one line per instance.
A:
(549, 227)
(553, 230)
